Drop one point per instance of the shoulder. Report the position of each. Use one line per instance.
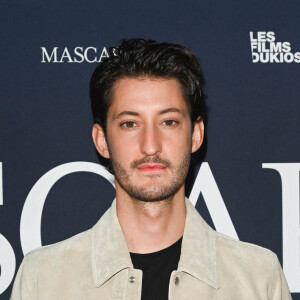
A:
(242, 251)
(59, 256)
(249, 261)
(49, 264)
(251, 266)
(70, 246)
(227, 251)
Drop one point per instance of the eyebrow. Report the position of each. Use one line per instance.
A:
(133, 113)
(125, 112)
(172, 109)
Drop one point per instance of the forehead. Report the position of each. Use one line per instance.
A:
(141, 93)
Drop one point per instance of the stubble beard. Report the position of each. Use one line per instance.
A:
(154, 191)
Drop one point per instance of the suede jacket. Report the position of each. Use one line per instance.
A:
(96, 264)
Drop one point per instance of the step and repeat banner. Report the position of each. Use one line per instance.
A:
(51, 183)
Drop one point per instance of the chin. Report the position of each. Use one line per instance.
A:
(153, 193)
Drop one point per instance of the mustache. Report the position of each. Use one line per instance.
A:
(150, 159)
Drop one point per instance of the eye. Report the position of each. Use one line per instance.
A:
(170, 122)
(128, 124)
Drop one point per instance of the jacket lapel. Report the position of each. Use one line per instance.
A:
(109, 252)
(198, 252)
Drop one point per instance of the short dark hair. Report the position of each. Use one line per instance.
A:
(140, 57)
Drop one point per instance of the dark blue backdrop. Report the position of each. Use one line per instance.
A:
(45, 118)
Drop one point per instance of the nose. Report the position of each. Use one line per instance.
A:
(150, 141)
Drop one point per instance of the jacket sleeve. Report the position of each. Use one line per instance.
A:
(20, 288)
(280, 290)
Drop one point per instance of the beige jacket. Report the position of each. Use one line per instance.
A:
(96, 265)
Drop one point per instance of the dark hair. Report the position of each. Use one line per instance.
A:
(140, 57)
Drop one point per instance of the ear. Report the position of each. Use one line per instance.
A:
(100, 140)
(198, 135)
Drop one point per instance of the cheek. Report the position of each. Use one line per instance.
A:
(178, 146)
(121, 149)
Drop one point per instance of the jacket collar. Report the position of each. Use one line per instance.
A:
(109, 252)
(198, 251)
(109, 249)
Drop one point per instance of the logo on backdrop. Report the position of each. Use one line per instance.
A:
(205, 184)
(76, 55)
(266, 49)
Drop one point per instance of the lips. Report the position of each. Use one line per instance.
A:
(151, 168)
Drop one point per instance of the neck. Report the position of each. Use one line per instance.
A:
(151, 226)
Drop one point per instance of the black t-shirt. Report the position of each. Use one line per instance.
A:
(157, 268)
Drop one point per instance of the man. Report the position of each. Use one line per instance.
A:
(148, 108)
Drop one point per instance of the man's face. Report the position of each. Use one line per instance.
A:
(149, 137)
